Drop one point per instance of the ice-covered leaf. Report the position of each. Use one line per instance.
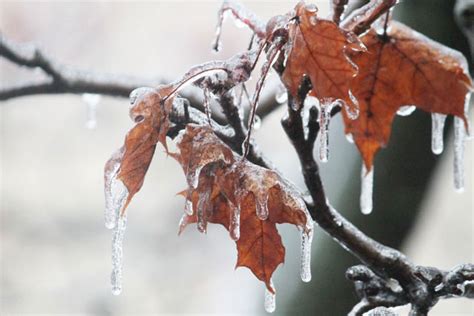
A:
(403, 68)
(318, 48)
(246, 199)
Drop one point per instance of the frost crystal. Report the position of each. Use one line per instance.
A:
(306, 240)
(367, 179)
(117, 255)
(437, 127)
(270, 300)
(91, 100)
(459, 137)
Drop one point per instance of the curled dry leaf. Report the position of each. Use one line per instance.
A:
(403, 68)
(128, 166)
(319, 49)
(246, 199)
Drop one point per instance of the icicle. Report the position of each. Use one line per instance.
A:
(91, 100)
(117, 255)
(115, 191)
(406, 110)
(261, 208)
(367, 179)
(324, 119)
(202, 205)
(305, 115)
(270, 300)
(188, 207)
(437, 127)
(459, 135)
(306, 240)
(234, 226)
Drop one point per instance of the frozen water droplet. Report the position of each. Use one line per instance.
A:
(257, 122)
(305, 115)
(406, 110)
(306, 240)
(261, 208)
(91, 100)
(350, 138)
(437, 127)
(270, 300)
(311, 7)
(117, 255)
(234, 227)
(367, 179)
(281, 95)
(459, 136)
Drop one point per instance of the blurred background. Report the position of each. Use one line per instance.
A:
(54, 248)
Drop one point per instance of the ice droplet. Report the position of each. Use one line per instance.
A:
(406, 110)
(234, 227)
(306, 240)
(459, 137)
(270, 300)
(117, 255)
(437, 127)
(91, 100)
(188, 207)
(350, 138)
(257, 122)
(281, 95)
(367, 179)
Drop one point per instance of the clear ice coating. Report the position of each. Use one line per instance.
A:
(202, 205)
(367, 179)
(91, 100)
(306, 240)
(350, 138)
(115, 191)
(261, 207)
(234, 227)
(437, 128)
(270, 300)
(459, 138)
(281, 95)
(406, 110)
(117, 255)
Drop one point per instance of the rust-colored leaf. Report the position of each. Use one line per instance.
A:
(231, 188)
(318, 49)
(403, 68)
(131, 162)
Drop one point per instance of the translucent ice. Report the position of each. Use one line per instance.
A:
(406, 110)
(306, 240)
(459, 138)
(437, 127)
(117, 255)
(367, 179)
(91, 100)
(270, 300)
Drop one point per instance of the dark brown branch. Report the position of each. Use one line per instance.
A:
(338, 8)
(361, 19)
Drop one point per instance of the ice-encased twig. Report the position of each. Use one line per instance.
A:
(117, 255)
(367, 179)
(437, 128)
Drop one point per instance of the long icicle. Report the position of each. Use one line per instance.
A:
(117, 255)
(270, 300)
(306, 240)
(367, 179)
(459, 138)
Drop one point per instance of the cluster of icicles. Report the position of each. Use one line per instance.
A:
(367, 176)
(116, 195)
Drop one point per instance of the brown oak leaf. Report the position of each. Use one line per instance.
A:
(403, 68)
(130, 163)
(246, 199)
(319, 49)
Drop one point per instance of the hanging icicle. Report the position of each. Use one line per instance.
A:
(367, 179)
(306, 241)
(234, 226)
(270, 300)
(459, 138)
(91, 100)
(437, 128)
(117, 255)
